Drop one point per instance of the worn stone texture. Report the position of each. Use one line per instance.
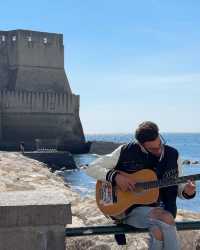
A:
(33, 208)
(36, 100)
(33, 220)
(32, 238)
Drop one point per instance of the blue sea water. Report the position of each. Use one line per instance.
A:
(188, 145)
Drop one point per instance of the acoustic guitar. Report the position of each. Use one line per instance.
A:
(112, 201)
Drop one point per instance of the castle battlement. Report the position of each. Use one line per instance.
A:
(35, 65)
(31, 48)
(31, 38)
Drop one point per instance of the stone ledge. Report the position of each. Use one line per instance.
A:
(34, 208)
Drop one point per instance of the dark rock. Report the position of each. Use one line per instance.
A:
(102, 147)
(54, 159)
(186, 162)
(75, 148)
(195, 162)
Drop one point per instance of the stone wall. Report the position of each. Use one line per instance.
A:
(30, 115)
(0, 123)
(34, 205)
(3, 65)
(32, 61)
(39, 102)
(33, 220)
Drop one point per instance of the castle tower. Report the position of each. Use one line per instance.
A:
(36, 101)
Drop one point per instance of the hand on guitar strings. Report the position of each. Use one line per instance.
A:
(124, 183)
(190, 188)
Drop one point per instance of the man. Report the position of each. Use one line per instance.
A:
(147, 152)
(21, 146)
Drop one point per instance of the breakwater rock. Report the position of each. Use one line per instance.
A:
(103, 147)
(18, 172)
(190, 162)
(53, 158)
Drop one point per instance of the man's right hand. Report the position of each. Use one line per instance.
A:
(124, 183)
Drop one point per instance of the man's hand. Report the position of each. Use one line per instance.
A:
(124, 183)
(190, 188)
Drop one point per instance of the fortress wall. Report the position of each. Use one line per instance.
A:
(0, 123)
(44, 49)
(36, 98)
(8, 56)
(42, 80)
(32, 48)
(32, 61)
(3, 65)
(31, 115)
(38, 102)
(9, 45)
(27, 126)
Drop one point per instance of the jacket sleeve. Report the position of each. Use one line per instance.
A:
(181, 187)
(180, 173)
(103, 167)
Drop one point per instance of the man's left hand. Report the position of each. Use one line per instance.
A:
(190, 188)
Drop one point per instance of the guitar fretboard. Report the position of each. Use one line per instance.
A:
(167, 182)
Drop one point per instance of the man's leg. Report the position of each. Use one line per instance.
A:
(161, 226)
(139, 217)
(165, 221)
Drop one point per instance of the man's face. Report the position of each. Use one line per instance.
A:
(154, 147)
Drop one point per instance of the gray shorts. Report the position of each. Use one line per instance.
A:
(139, 217)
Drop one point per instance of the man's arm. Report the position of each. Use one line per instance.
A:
(103, 168)
(188, 190)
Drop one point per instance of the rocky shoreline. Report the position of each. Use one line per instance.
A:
(18, 172)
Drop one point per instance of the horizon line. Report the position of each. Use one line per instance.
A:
(123, 133)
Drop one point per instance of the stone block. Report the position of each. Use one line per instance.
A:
(33, 220)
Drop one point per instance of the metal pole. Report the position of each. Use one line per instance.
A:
(119, 229)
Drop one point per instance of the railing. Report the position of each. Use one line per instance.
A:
(119, 229)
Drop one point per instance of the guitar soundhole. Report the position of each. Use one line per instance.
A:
(139, 190)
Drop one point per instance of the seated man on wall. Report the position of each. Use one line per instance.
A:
(148, 152)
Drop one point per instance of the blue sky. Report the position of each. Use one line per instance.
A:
(128, 60)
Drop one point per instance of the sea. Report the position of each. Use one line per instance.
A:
(188, 145)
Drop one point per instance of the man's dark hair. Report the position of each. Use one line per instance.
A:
(146, 131)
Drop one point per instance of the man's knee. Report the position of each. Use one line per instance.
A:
(156, 233)
(168, 218)
(162, 215)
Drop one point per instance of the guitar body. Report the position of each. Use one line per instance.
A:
(112, 201)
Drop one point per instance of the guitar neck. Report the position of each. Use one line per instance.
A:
(168, 182)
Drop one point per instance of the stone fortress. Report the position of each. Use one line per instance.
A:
(36, 102)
